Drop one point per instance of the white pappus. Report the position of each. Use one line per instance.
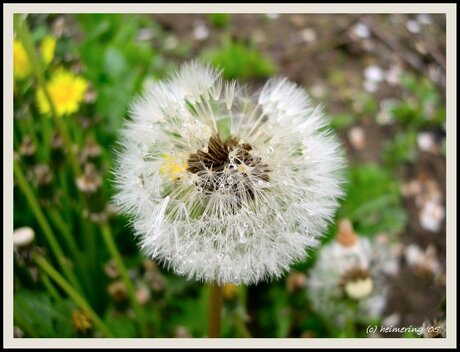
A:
(224, 186)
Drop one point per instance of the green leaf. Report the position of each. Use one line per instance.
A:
(39, 316)
(341, 121)
(373, 201)
(239, 60)
(121, 325)
(219, 20)
(114, 62)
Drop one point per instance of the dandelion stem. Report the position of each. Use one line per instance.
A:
(43, 222)
(50, 288)
(74, 295)
(242, 328)
(215, 308)
(23, 34)
(61, 225)
(111, 246)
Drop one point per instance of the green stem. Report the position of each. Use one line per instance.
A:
(61, 225)
(31, 126)
(24, 35)
(241, 328)
(25, 324)
(111, 246)
(240, 322)
(74, 295)
(36, 209)
(49, 286)
(46, 135)
(215, 310)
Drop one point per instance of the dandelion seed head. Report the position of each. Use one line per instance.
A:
(225, 186)
(351, 276)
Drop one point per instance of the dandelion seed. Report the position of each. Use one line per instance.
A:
(220, 209)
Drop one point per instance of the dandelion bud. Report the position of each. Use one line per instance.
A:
(90, 184)
(296, 281)
(91, 152)
(43, 178)
(118, 291)
(346, 235)
(27, 150)
(57, 150)
(81, 321)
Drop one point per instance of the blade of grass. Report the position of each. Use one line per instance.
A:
(111, 246)
(43, 222)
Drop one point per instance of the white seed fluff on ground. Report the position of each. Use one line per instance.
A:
(223, 186)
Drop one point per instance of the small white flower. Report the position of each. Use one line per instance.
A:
(350, 276)
(224, 186)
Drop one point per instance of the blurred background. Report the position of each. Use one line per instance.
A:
(380, 79)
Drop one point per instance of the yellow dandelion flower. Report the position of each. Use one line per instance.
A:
(67, 92)
(21, 64)
(47, 48)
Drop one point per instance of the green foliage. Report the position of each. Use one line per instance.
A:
(401, 149)
(219, 20)
(116, 63)
(373, 201)
(39, 316)
(422, 107)
(342, 121)
(238, 60)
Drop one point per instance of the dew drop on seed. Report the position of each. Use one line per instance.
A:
(243, 239)
(230, 180)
